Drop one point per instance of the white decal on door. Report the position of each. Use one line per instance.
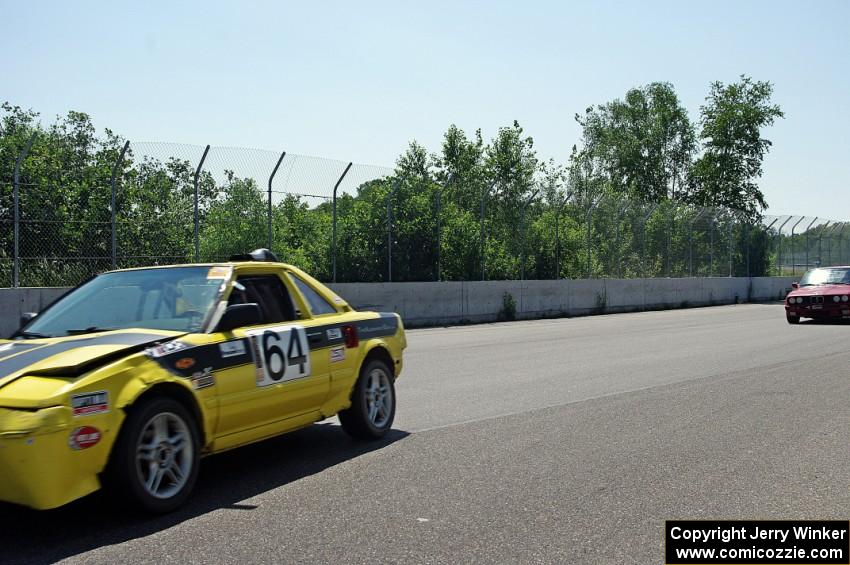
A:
(282, 354)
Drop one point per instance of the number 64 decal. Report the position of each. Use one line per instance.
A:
(281, 354)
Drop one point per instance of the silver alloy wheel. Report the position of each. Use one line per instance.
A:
(379, 397)
(164, 455)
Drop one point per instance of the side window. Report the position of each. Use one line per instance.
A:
(318, 305)
(269, 292)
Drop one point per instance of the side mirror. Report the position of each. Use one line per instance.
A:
(27, 317)
(795, 285)
(240, 315)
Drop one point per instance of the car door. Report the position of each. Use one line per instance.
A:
(284, 379)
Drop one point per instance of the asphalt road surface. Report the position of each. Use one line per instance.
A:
(553, 441)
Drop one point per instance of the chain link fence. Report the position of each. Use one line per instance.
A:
(142, 204)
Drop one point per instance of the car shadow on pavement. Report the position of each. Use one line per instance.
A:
(225, 480)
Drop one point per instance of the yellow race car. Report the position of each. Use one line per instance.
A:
(134, 375)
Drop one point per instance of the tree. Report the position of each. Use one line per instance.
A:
(733, 147)
(460, 168)
(642, 146)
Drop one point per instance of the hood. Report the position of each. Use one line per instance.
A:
(821, 290)
(72, 356)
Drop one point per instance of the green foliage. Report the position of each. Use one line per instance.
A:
(642, 145)
(508, 310)
(617, 207)
(732, 121)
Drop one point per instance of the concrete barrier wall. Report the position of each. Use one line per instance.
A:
(481, 301)
(434, 303)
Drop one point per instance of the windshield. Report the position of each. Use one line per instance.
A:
(826, 276)
(174, 298)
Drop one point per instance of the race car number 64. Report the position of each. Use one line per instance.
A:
(282, 354)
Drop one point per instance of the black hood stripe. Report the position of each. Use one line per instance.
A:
(36, 353)
(15, 347)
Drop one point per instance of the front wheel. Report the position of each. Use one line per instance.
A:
(792, 319)
(372, 403)
(155, 460)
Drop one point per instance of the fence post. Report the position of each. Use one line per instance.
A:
(820, 243)
(691, 243)
(197, 215)
(438, 197)
(559, 207)
(749, 243)
(643, 234)
(621, 209)
(16, 252)
(779, 247)
(333, 242)
(591, 207)
(112, 209)
(840, 240)
(711, 246)
(836, 228)
(807, 240)
(670, 217)
(271, 178)
(483, 260)
(793, 262)
(522, 234)
(731, 227)
(390, 197)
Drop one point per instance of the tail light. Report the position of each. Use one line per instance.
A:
(350, 335)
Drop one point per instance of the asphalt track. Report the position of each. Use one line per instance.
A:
(553, 441)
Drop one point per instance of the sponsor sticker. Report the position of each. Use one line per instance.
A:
(337, 354)
(232, 348)
(164, 349)
(84, 437)
(261, 372)
(337, 299)
(334, 333)
(90, 403)
(218, 273)
(185, 363)
(202, 379)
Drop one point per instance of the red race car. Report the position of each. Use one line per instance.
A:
(821, 294)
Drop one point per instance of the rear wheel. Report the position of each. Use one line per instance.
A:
(155, 461)
(372, 403)
(792, 319)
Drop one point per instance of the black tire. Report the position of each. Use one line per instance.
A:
(357, 420)
(126, 473)
(792, 319)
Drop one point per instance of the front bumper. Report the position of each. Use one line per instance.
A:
(38, 465)
(826, 311)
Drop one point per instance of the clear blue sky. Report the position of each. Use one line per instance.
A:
(359, 80)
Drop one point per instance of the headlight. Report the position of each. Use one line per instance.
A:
(845, 298)
(836, 298)
(799, 300)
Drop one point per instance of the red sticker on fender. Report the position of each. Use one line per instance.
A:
(84, 437)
